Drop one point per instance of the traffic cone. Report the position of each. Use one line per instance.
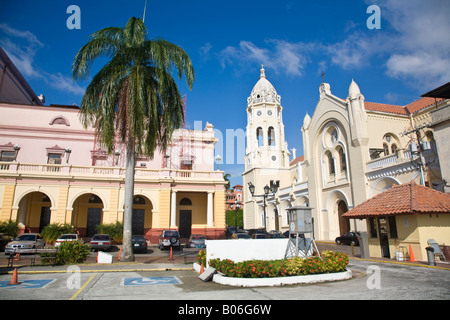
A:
(171, 254)
(96, 260)
(411, 255)
(202, 269)
(14, 279)
(17, 256)
(120, 253)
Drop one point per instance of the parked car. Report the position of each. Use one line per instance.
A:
(273, 234)
(100, 242)
(169, 238)
(196, 241)
(25, 241)
(66, 237)
(4, 239)
(240, 235)
(349, 238)
(260, 236)
(139, 244)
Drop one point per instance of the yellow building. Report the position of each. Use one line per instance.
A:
(52, 170)
(403, 219)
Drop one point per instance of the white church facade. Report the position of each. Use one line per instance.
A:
(353, 150)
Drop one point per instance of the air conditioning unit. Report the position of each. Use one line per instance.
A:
(413, 147)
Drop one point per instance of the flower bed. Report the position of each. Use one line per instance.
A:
(330, 263)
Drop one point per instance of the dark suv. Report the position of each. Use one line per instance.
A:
(169, 238)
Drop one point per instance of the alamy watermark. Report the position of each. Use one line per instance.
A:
(374, 21)
(74, 280)
(374, 280)
(74, 20)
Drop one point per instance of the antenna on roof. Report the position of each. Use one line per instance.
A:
(145, 8)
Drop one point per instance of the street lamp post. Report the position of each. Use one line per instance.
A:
(273, 189)
(236, 209)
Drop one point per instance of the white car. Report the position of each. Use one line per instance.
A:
(169, 238)
(66, 237)
(25, 242)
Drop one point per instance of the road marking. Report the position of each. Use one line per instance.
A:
(27, 284)
(151, 281)
(82, 288)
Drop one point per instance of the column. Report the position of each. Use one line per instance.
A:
(209, 212)
(173, 210)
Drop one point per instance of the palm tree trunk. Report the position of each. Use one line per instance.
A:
(127, 250)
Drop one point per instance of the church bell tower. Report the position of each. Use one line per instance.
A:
(267, 155)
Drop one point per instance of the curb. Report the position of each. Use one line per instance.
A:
(401, 263)
(278, 281)
(282, 281)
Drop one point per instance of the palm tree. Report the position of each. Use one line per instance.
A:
(134, 95)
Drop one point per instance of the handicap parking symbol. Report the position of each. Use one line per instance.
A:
(151, 281)
(27, 284)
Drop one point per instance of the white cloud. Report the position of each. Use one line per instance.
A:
(412, 46)
(280, 56)
(21, 47)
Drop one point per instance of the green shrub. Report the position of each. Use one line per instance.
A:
(201, 257)
(52, 231)
(10, 228)
(70, 252)
(115, 231)
(329, 263)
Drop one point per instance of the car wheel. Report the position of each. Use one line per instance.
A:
(173, 240)
(338, 242)
(353, 243)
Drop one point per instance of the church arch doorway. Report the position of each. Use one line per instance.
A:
(344, 224)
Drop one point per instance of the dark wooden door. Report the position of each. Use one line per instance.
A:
(137, 225)
(94, 218)
(45, 217)
(185, 223)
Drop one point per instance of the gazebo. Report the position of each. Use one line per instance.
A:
(403, 217)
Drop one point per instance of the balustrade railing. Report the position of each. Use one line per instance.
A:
(98, 171)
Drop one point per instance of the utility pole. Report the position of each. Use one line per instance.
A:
(418, 149)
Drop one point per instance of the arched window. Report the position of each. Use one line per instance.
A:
(259, 137)
(185, 202)
(394, 148)
(386, 149)
(342, 160)
(271, 135)
(331, 169)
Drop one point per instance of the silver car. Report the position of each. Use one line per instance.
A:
(100, 242)
(24, 243)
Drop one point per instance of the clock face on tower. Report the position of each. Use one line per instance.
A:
(259, 113)
(269, 112)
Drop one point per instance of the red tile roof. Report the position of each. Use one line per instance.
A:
(408, 198)
(389, 108)
(298, 159)
(421, 104)
(407, 110)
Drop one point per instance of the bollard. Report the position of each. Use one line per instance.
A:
(430, 256)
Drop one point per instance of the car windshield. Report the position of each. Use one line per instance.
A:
(68, 236)
(100, 237)
(198, 237)
(243, 235)
(138, 238)
(170, 233)
(26, 237)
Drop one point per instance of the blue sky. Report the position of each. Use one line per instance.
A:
(229, 40)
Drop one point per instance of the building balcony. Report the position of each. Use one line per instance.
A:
(400, 162)
(59, 171)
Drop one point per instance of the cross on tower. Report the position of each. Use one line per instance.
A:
(323, 76)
